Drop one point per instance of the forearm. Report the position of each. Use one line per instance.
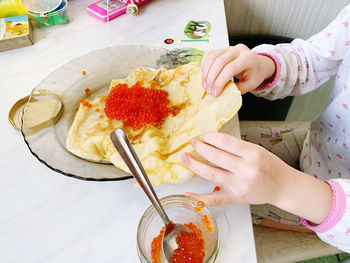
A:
(268, 66)
(300, 69)
(305, 196)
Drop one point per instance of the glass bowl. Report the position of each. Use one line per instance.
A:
(180, 209)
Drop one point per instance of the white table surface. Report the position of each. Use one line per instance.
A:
(48, 217)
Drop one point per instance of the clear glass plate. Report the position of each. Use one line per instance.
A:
(48, 142)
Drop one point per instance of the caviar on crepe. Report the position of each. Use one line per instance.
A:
(137, 106)
(85, 103)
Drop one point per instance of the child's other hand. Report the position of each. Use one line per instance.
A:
(219, 67)
(248, 172)
(253, 175)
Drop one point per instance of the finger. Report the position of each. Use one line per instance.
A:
(212, 199)
(247, 85)
(233, 68)
(229, 144)
(210, 173)
(207, 60)
(217, 156)
(219, 63)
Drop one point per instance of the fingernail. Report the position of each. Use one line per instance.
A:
(204, 85)
(216, 92)
(184, 157)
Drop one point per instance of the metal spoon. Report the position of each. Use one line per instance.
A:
(128, 154)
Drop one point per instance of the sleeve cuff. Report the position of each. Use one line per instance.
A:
(338, 209)
(276, 75)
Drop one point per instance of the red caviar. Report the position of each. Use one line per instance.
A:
(175, 111)
(87, 91)
(199, 207)
(83, 72)
(102, 116)
(85, 103)
(206, 223)
(97, 110)
(156, 246)
(200, 204)
(217, 188)
(137, 106)
(190, 246)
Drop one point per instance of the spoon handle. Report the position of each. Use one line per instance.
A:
(128, 154)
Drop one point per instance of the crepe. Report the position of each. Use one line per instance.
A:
(159, 147)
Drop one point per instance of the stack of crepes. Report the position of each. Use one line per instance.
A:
(159, 147)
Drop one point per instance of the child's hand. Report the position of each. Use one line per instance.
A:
(253, 175)
(219, 67)
(248, 172)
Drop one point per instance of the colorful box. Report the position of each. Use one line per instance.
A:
(15, 32)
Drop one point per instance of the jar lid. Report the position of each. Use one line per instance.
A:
(41, 6)
(15, 112)
(41, 110)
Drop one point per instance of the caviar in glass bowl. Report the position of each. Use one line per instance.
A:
(180, 209)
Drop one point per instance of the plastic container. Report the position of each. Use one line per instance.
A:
(180, 209)
(55, 17)
(11, 8)
(41, 6)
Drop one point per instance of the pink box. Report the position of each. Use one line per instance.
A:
(101, 11)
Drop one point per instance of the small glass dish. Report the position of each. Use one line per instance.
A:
(180, 209)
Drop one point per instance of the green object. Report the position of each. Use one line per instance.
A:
(195, 40)
(197, 29)
(343, 257)
(51, 20)
(55, 17)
